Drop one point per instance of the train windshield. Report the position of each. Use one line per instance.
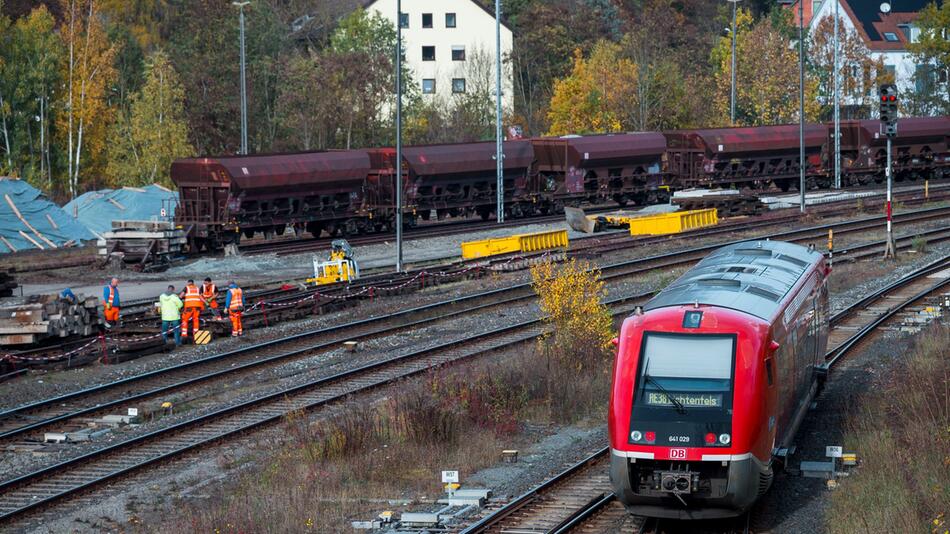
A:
(685, 372)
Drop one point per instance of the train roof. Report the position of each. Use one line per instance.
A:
(458, 158)
(281, 170)
(752, 277)
(911, 128)
(752, 139)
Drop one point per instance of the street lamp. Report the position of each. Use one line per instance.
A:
(240, 6)
(398, 136)
(801, 105)
(732, 99)
(499, 147)
(837, 73)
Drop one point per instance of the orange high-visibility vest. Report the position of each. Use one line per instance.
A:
(193, 297)
(111, 295)
(208, 291)
(237, 298)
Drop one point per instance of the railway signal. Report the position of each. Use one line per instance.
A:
(888, 115)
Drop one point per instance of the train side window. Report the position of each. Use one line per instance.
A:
(768, 370)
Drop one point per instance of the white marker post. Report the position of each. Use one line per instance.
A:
(449, 478)
(834, 452)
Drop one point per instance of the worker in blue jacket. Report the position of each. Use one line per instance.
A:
(111, 303)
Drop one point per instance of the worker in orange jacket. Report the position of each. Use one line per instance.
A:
(191, 297)
(111, 303)
(209, 292)
(235, 305)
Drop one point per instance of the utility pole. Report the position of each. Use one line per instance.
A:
(732, 92)
(499, 146)
(837, 73)
(241, 5)
(801, 104)
(398, 136)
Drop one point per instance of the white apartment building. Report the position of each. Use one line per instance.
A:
(886, 33)
(450, 46)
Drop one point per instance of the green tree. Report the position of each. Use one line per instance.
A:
(30, 56)
(932, 53)
(156, 133)
(363, 45)
(204, 47)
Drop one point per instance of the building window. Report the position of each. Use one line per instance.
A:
(458, 53)
(891, 37)
(427, 20)
(404, 20)
(450, 20)
(428, 53)
(458, 85)
(428, 86)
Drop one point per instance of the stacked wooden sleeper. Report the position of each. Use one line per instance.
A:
(45, 316)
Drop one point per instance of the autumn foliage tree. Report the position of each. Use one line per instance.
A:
(596, 96)
(88, 71)
(859, 74)
(767, 80)
(155, 133)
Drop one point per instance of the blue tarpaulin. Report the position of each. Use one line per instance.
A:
(45, 222)
(97, 209)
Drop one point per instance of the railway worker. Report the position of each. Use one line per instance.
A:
(171, 306)
(209, 292)
(193, 305)
(111, 302)
(235, 306)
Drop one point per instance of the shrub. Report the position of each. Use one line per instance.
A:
(902, 435)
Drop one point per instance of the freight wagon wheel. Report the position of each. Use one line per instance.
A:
(621, 200)
(784, 185)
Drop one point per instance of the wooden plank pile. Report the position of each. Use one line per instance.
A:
(142, 242)
(44, 316)
(7, 283)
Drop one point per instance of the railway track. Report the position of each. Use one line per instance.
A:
(64, 411)
(295, 246)
(67, 412)
(45, 486)
(579, 499)
(137, 318)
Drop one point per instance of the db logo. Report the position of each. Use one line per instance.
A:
(677, 454)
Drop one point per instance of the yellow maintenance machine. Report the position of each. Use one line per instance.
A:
(341, 267)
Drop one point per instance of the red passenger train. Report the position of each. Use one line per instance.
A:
(714, 377)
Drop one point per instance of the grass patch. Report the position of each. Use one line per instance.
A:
(902, 435)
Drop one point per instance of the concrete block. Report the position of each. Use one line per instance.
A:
(818, 469)
(54, 437)
(419, 519)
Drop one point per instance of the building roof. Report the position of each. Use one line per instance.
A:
(753, 277)
(368, 3)
(879, 31)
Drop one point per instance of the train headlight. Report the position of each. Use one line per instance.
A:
(725, 439)
(636, 435)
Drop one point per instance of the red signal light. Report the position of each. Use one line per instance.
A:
(650, 436)
(710, 438)
(893, 98)
(883, 98)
